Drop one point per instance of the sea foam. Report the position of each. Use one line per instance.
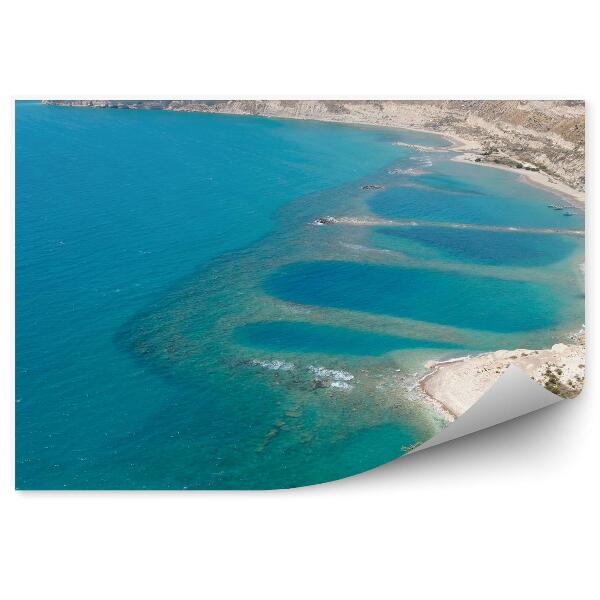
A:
(336, 375)
(274, 365)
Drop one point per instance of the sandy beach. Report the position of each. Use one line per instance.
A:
(453, 386)
(535, 178)
(469, 151)
(457, 384)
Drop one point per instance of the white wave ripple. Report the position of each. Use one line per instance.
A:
(323, 373)
(274, 365)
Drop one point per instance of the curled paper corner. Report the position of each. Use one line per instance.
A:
(513, 395)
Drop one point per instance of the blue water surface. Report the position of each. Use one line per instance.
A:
(463, 193)
(172, 296)
(448, 298)
(484, 247)
(113, 207)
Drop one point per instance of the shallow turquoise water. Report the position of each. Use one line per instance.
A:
(463, 193)
(289, 336)
(181, 324)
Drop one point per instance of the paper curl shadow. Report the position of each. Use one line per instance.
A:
(512, 396)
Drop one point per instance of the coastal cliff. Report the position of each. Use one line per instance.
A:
(535, 135)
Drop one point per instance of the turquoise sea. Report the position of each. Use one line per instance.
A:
(182, 324)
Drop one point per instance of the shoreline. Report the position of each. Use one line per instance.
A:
(465, 150)
(434, 386)
(460, 145)
(438, 384)
(537, 179)
(457, 384)
(407, 117)
(440, 374)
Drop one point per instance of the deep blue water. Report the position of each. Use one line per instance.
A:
(485, 247)
(176, 311)
(443, 297)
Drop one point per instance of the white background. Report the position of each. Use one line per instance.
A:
(507, 513)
